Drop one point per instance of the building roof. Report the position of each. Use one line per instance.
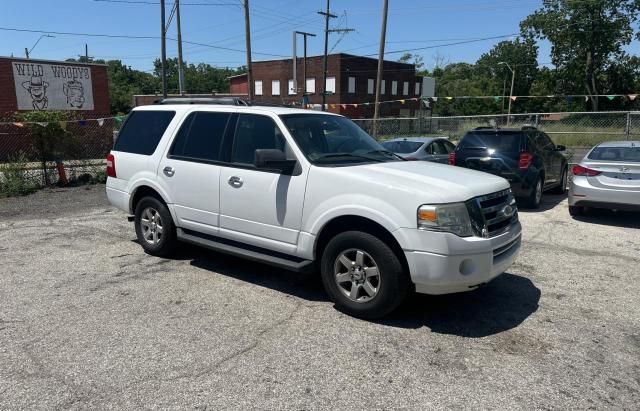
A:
(336, 54)
(238, 75)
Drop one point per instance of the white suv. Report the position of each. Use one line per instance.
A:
(306, 190)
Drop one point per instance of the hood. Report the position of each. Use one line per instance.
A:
(436, 183)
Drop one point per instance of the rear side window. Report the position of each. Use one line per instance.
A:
(142, 131)
(200, 136)
(502, 142)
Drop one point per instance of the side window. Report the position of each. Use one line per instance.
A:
(548, 140)
(439, 147)
(430, 148)
(142, 131)
(449, 146)
(200, 136)
(542, 141)
(252, 133)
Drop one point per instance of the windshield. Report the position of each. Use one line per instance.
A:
(402, 147)
(333, 140)
(501, 142)
(623, 154)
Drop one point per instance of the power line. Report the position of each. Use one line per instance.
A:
(123, 36)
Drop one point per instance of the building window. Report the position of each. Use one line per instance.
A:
(291, 88)
(331, 85)
(394, 88)
(417, 89)
(383, 88)
(405, 88)
(370, 86)
(310, 87)
(275, 87)
(258, 87)
(352, 85)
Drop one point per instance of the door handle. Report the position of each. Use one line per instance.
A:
(235, 181)
(169, 171)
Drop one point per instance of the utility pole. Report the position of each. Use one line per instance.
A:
(163, 48)
(180, 69)
(513, 77)
(247, 30)
(383, 36)
(327, 15)
(86, 52)
(26, 52)
(295, 64)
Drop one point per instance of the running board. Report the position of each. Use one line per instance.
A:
(245, 251)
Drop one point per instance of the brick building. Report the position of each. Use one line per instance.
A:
(30, 84)
(350, 80)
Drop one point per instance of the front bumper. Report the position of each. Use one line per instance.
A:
(456, 264)
(582, 193)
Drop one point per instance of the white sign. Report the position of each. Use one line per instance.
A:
(52, 86)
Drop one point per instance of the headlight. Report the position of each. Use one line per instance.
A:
(451, 218)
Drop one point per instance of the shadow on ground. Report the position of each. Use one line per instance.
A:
(502, 305)
(549, 201)
(626, 219)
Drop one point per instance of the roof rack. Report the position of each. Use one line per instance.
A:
(486, 128)
(528, 127)
(230, 101)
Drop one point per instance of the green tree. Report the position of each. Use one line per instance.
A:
(587, 38)
(414, 59)
(199, 78)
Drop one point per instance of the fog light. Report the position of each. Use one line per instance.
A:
(467, 267)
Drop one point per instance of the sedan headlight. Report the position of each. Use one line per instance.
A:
(450, 218)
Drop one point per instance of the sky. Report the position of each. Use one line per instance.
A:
(428, 24)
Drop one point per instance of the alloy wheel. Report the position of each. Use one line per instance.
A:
(357, 276)
(151, 224)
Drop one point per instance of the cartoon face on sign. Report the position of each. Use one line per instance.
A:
(74, 92)
(37, 88)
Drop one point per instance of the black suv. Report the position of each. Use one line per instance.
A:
(526, 157)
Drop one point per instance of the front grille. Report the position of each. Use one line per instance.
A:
(492, 214)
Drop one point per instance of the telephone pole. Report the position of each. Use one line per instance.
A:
(163, 48)
(180, 69)
(247, 30)
(383, 36)
(327, 15)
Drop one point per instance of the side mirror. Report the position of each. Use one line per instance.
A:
(560, 148)
(272, 159)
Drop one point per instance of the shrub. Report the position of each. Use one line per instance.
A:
(15, 179)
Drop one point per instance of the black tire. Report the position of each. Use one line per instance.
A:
(392, 281)
(562, 187)
(166, 236)
(533, 200)
(576, 211)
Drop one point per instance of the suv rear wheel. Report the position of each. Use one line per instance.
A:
(535, 198)
(154, 227)
(562, 187)
(362, 275)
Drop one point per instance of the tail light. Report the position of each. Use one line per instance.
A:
(111, 165)
(525, 160)
(452, 158)
(584, 171)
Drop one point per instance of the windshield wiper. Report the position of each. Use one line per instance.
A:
(333, 155)
(387, 153)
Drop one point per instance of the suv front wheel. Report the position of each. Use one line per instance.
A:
(362, 275)
(154, 227)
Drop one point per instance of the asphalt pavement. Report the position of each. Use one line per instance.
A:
(87, 320)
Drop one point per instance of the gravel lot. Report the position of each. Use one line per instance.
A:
(87, 320)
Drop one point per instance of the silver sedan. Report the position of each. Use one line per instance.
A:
(434, 149)
(607, 177)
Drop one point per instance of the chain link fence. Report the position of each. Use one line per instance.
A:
(36, 154)
(569, 129)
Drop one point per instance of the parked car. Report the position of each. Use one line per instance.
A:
(312, 191)
(525, 156)
(434, 149)
(607, 177)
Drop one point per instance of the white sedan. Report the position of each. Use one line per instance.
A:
(607, 177)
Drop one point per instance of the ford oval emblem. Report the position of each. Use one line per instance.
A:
(507, 211)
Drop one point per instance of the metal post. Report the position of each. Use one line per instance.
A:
(304, 62)
(383, 35)
(513, 77)
(163, 48)
(295, 65)
(628, 127)
(26, 52)
(247, 30)
(180, 68)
